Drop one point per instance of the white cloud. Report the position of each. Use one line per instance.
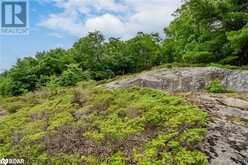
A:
(109, 5)
(114, 18)
(63, 22)
(109, 24)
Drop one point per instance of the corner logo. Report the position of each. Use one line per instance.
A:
(14, 17)
(6, 161)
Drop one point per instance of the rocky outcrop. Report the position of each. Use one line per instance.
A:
(187, 79)
(227, 140)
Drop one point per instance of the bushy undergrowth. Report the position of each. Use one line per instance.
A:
(215, 87)
(91, 125)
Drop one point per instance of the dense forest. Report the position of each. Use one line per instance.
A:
(204, 31)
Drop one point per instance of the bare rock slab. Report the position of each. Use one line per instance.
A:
(187, 79)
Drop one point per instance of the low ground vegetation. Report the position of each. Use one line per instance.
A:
(92, 125)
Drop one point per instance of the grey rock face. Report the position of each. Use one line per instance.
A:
(227, 140)
(187, 79)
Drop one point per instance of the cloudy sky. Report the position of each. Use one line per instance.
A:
(59, 23)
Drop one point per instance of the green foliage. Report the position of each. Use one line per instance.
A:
(216, 29)
(91, 125)
(178, 154)
(198, 57)
(5, 86)
(53, 82)
(116, 159)
(215, 87)
(53, 62)
(229, 60)
(92, 57)
(144, 51)
(60, 119)
(239, 41)
(72, 75)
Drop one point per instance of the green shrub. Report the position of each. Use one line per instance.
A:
(116, 159)
(5, 86)
(109, 127)
(73, 75)
(215, 87)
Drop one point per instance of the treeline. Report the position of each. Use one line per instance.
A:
(204, 31)
(92, 57)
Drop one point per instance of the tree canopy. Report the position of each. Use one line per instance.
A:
(210, 31)
(204, 31)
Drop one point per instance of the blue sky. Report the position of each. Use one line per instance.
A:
(59, 23)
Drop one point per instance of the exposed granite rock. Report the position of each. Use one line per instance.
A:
(187, 79)
(227, 140)
(234, 102)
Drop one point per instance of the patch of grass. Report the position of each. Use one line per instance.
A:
(91, 125)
